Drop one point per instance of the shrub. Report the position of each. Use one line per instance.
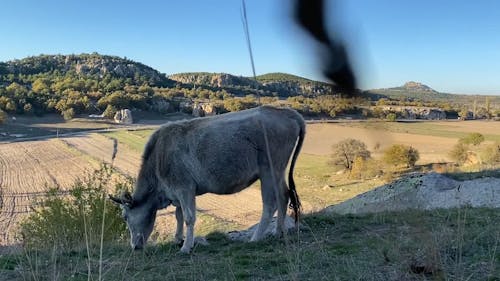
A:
(69, 221)
(401, 155)
(68, 114)
(346, 151)
(490, 155)
(110, 111)
(3, 116)
(391, 117)
(365, 169)
(473, 138)
(459, 153)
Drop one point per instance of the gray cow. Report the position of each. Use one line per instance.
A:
(223, 154)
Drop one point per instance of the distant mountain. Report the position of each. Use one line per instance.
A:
(276, 84)
(412, 86)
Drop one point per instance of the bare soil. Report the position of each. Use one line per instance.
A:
(27, 170)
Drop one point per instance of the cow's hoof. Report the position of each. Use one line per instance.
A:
(185, 250)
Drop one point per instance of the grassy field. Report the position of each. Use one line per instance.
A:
(460, 244)
(448, 129)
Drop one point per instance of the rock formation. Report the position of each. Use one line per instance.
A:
(424, 192)
(123, 116)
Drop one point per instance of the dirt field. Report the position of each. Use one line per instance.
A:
(27, 169)
(321, 137)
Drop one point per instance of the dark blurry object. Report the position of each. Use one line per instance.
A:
(310, 14)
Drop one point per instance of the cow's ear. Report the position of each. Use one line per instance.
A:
(124, 199)
(115, 199)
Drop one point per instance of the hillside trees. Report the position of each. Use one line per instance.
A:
(345, 152)
(3, 116)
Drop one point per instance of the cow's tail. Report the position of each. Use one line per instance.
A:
(294, 197)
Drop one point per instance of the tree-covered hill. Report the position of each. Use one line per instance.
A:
(271, 84)
(72, 84)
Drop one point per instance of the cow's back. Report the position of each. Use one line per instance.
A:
(223, 154)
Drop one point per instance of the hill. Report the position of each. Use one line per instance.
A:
(271, 84)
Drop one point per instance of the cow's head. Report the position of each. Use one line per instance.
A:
(139, 216)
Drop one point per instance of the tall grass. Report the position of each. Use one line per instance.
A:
(459, 244)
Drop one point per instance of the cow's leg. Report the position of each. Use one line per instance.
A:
(188, 206)
(269, 205)
(282, 199)
(179, 233)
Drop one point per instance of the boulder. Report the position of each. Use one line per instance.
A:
(123, 116)
(424, 192)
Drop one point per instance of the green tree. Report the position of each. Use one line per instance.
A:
(401, 155)
(391, 117)
(68, 114)
(472, 138)
(3, 116)
(110, 111)
(463, 113)
(346, 151)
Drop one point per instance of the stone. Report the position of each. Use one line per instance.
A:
(123, 116)
(424, 192)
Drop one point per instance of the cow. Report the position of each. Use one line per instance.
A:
(220, 154)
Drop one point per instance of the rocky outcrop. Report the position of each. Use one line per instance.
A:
(413, 86)
(203, 109)
(298, 88)
(123, 116)
(415, 112)
(220, 80)
(424, 192)
(284, 85)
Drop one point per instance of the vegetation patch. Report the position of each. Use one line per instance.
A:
(456, 244)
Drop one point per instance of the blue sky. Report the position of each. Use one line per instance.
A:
(452, 46)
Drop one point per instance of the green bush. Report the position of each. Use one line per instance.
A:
(365, 169)
(3, 116)
(490, 155)
(401, 155)
(391, 117)
(68, 114)
(76, 219)
(110, 111)
(459, 153)
(472, 138)
(346, 151)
